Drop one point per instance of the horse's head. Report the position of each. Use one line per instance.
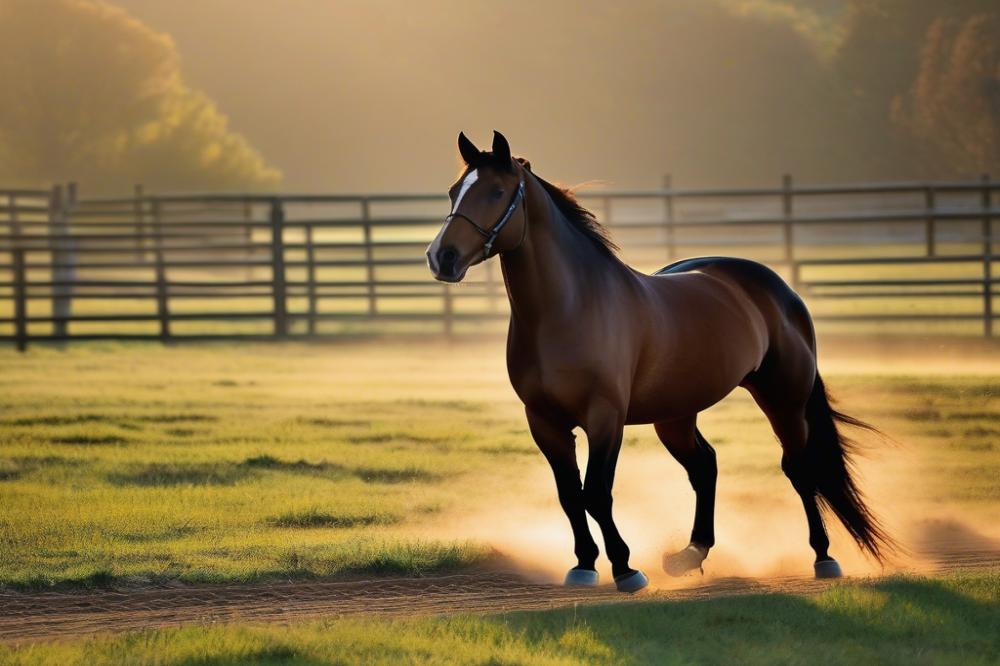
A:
(485, 204)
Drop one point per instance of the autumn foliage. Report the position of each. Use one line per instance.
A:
(93, 95)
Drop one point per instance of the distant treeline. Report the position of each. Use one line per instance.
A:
(924, 83)
(716, 91)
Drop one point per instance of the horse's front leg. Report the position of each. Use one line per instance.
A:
(604, 426)
(557, 442)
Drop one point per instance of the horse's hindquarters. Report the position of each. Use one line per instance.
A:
(705, 337)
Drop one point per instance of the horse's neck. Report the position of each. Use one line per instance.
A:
(554, 270)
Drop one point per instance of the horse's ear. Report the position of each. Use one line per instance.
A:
(468, 149)
(501, 149)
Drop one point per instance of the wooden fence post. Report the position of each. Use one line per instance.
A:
(248, 219)
(789, 230)
(278, 268)
(20, 280)
(311, 278)
(63, 261)
(987, 225)
(162, 287)
(248, 236)
(668, 219)
(14, 223)
(366, 224)
(20, 300)
(930, 205)
(139, 210)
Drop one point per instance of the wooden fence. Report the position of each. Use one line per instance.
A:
(903, 256)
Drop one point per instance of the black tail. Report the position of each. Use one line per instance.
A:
(829, 454)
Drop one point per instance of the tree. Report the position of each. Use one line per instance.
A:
(881, 56)
(953, 107)
(93, 95)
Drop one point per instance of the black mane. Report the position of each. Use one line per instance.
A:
(582, 219)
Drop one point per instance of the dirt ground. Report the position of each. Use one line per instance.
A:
(47, 616)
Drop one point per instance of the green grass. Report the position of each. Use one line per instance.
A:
(901, 620)
(129, 464)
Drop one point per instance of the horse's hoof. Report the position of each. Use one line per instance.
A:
(686, 560)
(827, 569)
(581, 577)
(631, 582)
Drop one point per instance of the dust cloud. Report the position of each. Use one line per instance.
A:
(760, 526)
(914, 486)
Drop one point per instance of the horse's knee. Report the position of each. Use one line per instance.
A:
(800, 472)
(703, 469)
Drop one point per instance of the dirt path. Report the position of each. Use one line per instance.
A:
(28, 617)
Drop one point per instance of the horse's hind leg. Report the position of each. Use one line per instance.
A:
(792, 431)
(782, 391)
(686, 444)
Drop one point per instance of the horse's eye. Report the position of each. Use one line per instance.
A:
(496, 193)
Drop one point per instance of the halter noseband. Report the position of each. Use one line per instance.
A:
(491, 234)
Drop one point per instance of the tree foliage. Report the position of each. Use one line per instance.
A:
(723, 92)
(953, 108)
(93, 95)
(923, 79)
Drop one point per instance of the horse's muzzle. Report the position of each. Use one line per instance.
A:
(444, 265)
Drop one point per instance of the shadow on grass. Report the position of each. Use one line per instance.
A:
(264, 656)
(318, 518)
(321, 422)
(90, 440)
(390, 475)
(898, 620)
(110, 419)
(179, 474)
(366, 474)
(16, 467)
(98, 579)
(227, 473)
(271, 462)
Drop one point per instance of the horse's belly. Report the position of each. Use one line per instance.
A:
(676, 399)
(697, 364)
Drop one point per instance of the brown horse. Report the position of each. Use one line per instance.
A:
(595, 344)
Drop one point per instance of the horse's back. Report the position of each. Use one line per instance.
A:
(762, 285)
(745, 269)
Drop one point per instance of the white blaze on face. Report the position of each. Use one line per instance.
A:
(470, 179)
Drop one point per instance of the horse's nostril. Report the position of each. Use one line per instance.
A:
(447, 257)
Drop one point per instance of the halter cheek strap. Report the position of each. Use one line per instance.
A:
(491, 234)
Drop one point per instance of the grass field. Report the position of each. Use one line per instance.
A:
(128, 465)
(221, 463)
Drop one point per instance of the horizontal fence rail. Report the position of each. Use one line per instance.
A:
(895, 256)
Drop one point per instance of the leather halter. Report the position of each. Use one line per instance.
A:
(490, 234)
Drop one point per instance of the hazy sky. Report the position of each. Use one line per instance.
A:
(369, 94)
